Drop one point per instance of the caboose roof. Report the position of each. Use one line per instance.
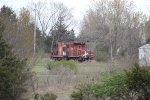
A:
(74, 42)
(78, 43)
(146, 46)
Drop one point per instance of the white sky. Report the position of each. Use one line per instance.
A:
(79, 6)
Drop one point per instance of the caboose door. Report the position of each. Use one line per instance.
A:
(64, 51)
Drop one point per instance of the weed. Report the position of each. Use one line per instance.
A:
(63, 63)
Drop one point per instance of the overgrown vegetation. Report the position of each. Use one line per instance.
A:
(46, 96)
(132, 84)
(62, 63)
(138, 81)
(107, 24)
(110, 87)
(101, 56)
(13, 72)
(18, 31)
(114, 29)
(84, 92)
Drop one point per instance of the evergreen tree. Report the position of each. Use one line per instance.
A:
(40, 40)
(71, 36)
(147, 31)
(59, 33)
(13, 72)
(8, 13)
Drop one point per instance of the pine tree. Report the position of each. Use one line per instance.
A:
(13, 72)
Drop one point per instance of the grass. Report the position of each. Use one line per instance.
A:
(63, 63)
(62, 82)
(41, 65)
(84, 67)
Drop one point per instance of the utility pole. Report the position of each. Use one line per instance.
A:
(35, 32)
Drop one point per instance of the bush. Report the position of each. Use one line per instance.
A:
(84, 92)
(138, 80)
(113, 86)
(101, 56)
(110, 87)
(132, 84)
(47, 96)
(13, 72)
(63, 63)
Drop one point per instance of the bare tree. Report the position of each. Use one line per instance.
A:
(18, 31)
(49, 15)
(24, 46)
(115, 25)
(61, 17)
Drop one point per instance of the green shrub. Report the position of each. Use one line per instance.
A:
(138, 80)
(101, 56)
(50, 65)
(110, 87)
(47, 96)
(118, 86)
(14, 72)
(62, 63)
(113, 86)
(84, 92)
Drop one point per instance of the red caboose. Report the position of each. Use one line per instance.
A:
(72, 50)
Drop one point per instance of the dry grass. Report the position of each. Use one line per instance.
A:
(62, 83)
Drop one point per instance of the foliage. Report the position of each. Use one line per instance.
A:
(147, 31)
(101, 56)
(138, 80)
(46, 96)
(18, 31)
(62, 63)
(111, 86)
(13, 72)
(108, 23)
(40, 41)
(24, 41)
(54, 27)
(132, 84)
(84, 92)
(59, 33)
(7, 12)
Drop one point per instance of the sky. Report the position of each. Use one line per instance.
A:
(79, 6)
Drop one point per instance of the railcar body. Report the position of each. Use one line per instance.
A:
(72, 50)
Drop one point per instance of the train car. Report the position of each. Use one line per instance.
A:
(72, 50)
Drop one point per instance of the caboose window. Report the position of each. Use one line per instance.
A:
(79, 46)
(64, 48)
